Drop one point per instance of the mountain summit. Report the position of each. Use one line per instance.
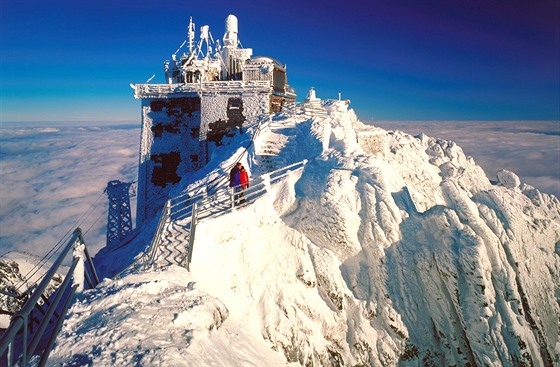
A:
(384, 249)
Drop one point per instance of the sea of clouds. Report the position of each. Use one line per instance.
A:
(52, 177)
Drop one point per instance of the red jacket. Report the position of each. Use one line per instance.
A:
(243, 178)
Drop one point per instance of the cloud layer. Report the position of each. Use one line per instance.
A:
(52, 178)
(531, 149)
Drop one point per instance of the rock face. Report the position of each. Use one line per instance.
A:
(386, 249)
(19, 274)
(10, 276)
(407, 253)
(445, 268)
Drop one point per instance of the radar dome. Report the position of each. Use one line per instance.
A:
(231, 23)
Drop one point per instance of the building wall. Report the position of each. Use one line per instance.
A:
(170, 148)
(224, 113)
(214, 107)
(179, 134)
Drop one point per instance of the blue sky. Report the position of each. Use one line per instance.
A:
(395, 60)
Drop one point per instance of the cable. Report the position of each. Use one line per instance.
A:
(57, 246)
(97, 220)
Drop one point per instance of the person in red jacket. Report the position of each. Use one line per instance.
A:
(243, 183)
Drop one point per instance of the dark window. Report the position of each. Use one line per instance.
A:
(158, 105)
(165, 168)
(195, 131)
(157, 130)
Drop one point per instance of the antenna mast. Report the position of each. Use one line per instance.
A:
(191, 36)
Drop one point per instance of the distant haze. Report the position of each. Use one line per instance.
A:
(52, 177)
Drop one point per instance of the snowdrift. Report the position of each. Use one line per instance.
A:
(386, 249)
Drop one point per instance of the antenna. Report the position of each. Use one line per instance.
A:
(205, 38)
(149, 80)
(180, 47)
(191, 36)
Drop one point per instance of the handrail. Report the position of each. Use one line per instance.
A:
(205, 206)
(191, 237)
(214, 184)
(231, 200)
(197, 207)
(163, 90)
(156, 240)
(21, 321)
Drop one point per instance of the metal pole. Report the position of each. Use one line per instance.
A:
(57, 327)
(30, 304)
(191, 235)
(46, 318)
(31, 301)
(91, 266)
(8, 336)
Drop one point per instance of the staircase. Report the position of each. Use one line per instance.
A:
(174, 238)
(172, 248)
(279, 139)
(33, 329)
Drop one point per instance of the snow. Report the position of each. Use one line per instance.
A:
(386, 249)
(508, 179)
(156, 318)
(20, 271)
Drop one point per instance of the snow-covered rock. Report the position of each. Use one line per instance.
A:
(508, 179)
(19, 274)
(387, 249)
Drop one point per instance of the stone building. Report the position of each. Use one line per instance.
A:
(211, 91)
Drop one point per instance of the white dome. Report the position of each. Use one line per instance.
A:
(231, 23)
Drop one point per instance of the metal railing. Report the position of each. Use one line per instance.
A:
(215, 198)
(20, 342)
(203, 206)
(226, 198)
(156, 240)
(163, 90)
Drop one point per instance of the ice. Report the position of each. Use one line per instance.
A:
(386, 249)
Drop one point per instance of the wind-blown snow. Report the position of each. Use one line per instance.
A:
(158, 319)
(386, 249)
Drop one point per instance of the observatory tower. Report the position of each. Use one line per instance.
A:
(212, 90)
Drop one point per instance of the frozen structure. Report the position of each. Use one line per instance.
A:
(211, 91)
(384, 249)
(119, 221)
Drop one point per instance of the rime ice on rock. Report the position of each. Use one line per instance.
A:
(508, 179)
(384, 250)
(212, 90)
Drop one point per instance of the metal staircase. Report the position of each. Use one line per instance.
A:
(174, 238)
(33, 329)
